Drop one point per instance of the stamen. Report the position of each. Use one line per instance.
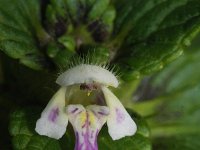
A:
(89, 92)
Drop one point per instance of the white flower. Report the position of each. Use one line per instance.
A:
(86, 84)
(54, 120)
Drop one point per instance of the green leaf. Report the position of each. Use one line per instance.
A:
(22, 124)
(181, 96)
(180, 142)
(137, 142)
(175, 90)
(24, 83)
(21, 31)
(6, 106)
(150, 34)
(98, 8)
(174, 117)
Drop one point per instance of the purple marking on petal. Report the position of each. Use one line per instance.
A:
(73, 111)
(83, 126)
(78, 145)
(120, 116)
(91, 136)
(102, 113)
(53, 114)
(95, 142)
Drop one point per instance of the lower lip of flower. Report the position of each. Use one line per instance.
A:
(87, 123)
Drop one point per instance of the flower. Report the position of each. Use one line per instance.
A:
(85, 84)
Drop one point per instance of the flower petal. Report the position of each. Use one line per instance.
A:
(54, 120)
(85, 73)
(87, 124)
(119, 122)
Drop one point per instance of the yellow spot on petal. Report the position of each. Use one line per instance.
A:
(92, 118)
(82, 118)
